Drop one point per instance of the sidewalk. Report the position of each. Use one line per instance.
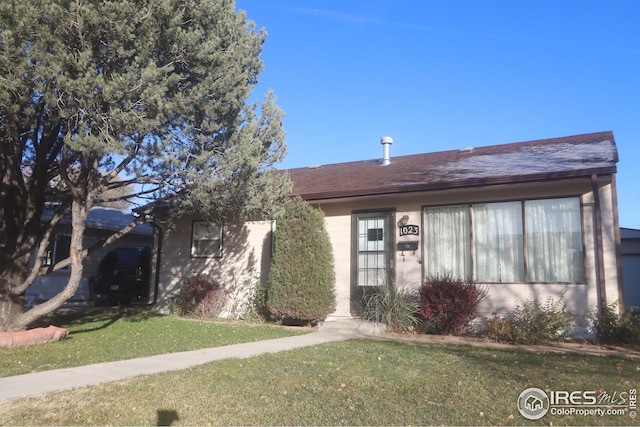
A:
(63, 379)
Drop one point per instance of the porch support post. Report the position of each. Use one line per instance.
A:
(598, 247)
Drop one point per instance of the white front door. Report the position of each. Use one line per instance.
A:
(372, 255)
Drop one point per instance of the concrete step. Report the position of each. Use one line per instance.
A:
(351, 325)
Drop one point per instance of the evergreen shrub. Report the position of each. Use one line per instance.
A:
(448, 305)
(302, 276)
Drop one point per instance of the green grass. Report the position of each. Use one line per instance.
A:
(125, 334)
(355, 382)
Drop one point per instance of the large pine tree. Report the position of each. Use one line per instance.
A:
(100, 94)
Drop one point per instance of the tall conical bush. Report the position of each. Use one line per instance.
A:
(301, 281)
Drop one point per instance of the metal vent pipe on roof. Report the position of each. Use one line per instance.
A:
(386, 141)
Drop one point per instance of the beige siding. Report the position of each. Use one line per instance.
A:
(340, 236)
(246, 249)
(579, 298)
(246, 257)
(611, 242)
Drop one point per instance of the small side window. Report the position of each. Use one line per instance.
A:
(206, 240)
(57, 250)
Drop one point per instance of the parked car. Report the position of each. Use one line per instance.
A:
(123, 276)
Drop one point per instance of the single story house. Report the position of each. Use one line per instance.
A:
(631, 266)
(101, 223)
(529, 220)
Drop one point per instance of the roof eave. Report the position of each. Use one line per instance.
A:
(466, 183)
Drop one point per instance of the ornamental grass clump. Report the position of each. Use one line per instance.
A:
(448, 305)
(396, 308)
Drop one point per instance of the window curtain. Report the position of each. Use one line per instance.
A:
(498, 242)
(554, 240)
(446, 242)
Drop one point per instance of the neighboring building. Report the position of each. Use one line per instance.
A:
(101, 223)
(631, 266)
(530, 219)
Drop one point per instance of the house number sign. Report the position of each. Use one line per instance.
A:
(410, 230)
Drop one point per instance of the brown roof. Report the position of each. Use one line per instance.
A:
(566, 157)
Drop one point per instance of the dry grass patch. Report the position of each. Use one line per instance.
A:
(356, 382)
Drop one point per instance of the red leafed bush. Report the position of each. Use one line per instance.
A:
(448, 304)
(200, 297)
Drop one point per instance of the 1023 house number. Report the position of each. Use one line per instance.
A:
(410, 230)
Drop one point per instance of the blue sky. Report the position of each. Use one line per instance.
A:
(447, 74)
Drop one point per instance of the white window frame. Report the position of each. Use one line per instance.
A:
(204, 235)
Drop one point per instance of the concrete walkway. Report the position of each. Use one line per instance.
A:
(337, 330)
(68, 378)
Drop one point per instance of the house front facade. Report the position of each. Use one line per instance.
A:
(528, 220)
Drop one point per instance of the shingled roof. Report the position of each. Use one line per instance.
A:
(104, 218)
(557, 158)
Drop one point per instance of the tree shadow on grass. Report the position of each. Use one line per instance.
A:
(167, 417)
(94, 319)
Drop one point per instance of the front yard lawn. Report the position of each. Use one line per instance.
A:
(107, 336)
(355, 382)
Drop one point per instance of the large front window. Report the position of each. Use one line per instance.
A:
(554, 240)
(498, 242)
(446, 241)
(510, 242)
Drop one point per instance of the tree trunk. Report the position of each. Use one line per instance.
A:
(22, 320)
(10, 309)
(12, 317)
(12, 314)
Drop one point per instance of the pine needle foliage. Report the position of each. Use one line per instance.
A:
(302, 275)
(100, 96)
